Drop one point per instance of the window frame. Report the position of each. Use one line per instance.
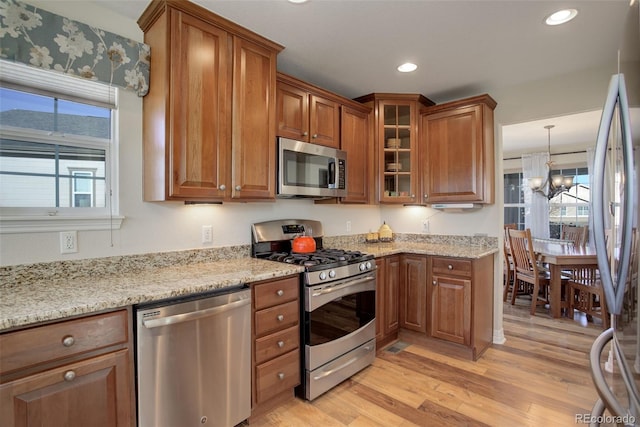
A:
(28, 219)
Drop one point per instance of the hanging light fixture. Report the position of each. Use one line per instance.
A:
(554, 184)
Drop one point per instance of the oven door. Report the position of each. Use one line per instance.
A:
(338, 318)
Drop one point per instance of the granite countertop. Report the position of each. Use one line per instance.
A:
(36, 293)
(47, 299)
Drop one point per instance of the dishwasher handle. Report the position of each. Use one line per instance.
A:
(193, 315)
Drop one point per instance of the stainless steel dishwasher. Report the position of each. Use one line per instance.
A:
(193, 360)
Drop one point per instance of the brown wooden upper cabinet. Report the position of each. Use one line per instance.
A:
(396, 144)
(209, 116)
(457, 151)
(304, 114)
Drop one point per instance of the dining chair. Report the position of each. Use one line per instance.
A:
(527, 270)
(578, 235)
(586, 294)
(508, 267)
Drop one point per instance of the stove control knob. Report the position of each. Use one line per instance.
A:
(332, 274)
(323, 275)
(368, 264)
(362, 266)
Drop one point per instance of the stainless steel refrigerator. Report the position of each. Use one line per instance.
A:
(615, 354)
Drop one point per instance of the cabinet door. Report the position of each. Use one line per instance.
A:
(324, 122)
(356, 142)
(451, 309)
(292, 112)
(392, 275)
(453, 156)
(397, 151)
(254, 139)
(93, 392)
(413, 293)
(381, 286)
(199, 108)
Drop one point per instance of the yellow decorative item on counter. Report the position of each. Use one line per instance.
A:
(385, 234)
(372, 237)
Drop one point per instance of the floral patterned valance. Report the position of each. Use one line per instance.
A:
(43, 39)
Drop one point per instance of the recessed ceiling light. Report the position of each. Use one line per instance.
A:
(561, 16)
(407, 67)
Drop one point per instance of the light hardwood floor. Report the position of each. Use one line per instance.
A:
(539, 377)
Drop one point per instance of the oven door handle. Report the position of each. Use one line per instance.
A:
(336, 288)
(355, 358)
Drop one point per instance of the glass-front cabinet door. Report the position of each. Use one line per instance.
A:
(396, 144)
(398, 159)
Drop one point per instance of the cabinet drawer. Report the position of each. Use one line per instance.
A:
(273, 293)
(277, 375)
(277, 344)
(451, 266)
(47, 343)
(276, 318)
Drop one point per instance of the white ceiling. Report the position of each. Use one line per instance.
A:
(462, 48)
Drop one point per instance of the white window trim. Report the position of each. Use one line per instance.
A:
(15, 220)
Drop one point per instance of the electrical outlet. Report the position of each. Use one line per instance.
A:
(348, 226)
(425, 225)
(68, 242)
(207, 234)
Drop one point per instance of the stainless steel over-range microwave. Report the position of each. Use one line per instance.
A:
(310, 170)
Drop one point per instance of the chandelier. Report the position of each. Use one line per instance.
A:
(554, 184)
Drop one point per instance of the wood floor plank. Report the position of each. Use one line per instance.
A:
(540, 376)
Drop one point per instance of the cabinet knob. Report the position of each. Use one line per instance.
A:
(68, 341)
(426, 196)
(305, 133)
(315, 135)
(280, 292)
(450, 267)
(280, 317)
(69, 376)
(413, 196)
(238, 188)
(435, 283)
(281, 375)
(222, 187)
(280, 344)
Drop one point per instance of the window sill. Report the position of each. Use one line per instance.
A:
(42, 224)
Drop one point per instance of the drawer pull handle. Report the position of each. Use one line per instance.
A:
(280, 317)
(69, 376)
(68, 341)
(281, 375)
(280, 292)
(450, 267)
(280, 344)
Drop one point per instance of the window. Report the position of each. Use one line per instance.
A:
(513, 200)
(570, 207)
(57, 151)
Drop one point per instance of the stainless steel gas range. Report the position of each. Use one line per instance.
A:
(337, 307)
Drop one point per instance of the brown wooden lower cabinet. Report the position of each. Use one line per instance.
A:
(413, 292)
(387, 293)
(445, 298)
(276, 342)
(71, 373)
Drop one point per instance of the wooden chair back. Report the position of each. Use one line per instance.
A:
(526, 266)
(587, 295)
(578, 235)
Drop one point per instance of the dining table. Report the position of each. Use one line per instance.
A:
(562, 255)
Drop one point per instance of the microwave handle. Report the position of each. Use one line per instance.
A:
(332, 173)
